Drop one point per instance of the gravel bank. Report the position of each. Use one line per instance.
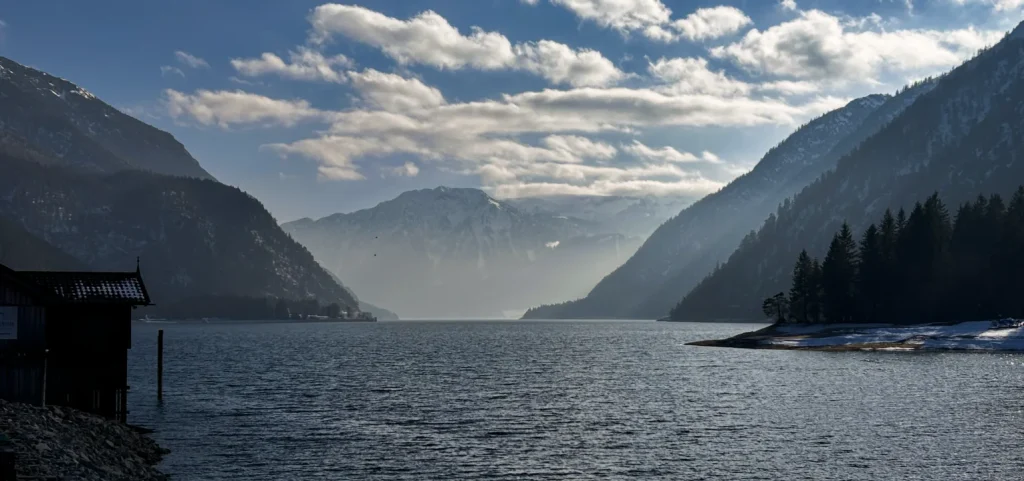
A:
(66, 444)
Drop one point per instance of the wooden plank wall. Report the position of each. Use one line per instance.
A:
(21, 359)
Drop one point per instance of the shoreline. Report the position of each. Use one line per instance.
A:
(1006, 335)
(56, 442)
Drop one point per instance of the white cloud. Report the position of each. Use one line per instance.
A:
(166, 70)
(243, 81)
(664, 154)
(306, 64)
(190, 60)
(692, 76)
(668, 154)
(580, 147)
(711, 23)
(407, 169)
(394, 93)
(622, 15)
(529, 2)
(429, 39)
(653, 19)
(788, 87)
(818, 46)
(485, 138)
(560, 64)
(997, 5)
(789, 5)
(226, 108)
(425, 39)
(335, 153)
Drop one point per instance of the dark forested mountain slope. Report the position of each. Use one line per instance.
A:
(962, 138)
(448, 252)
(688, 246)
(20, 250)
(85, 186)
(196, 237)
(66, 125)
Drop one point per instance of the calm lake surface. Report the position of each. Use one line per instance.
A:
(564, 400)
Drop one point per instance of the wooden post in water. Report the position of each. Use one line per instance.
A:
(160, 365)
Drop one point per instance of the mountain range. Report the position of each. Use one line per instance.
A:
(892, 147)
(86, 187)
(447, 252)
(960, 139)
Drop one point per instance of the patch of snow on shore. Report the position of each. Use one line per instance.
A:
(976, 335)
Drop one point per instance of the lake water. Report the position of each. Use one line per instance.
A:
(565, 400)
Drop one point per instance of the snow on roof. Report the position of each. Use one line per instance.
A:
(92, 287)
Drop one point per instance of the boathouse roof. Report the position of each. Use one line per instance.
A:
(92, 287)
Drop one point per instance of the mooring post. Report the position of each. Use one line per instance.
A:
(46, 355)
(160, 365)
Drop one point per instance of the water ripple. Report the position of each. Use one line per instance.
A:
(566, 400)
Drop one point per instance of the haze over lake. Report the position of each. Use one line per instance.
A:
(564, 400)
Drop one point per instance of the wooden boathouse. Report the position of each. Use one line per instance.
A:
(64, 338)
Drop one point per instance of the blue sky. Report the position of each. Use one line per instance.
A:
(317, 108)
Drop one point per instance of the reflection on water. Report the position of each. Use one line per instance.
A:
(564, 400)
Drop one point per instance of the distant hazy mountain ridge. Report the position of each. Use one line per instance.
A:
(632, 216)
(458, 252)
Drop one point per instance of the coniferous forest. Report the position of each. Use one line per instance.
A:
(928, 266)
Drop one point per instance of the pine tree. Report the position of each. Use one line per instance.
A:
(888, 237)
(1011, 252)
(870, 275)
(839, 276)
(800, 293)
(919, 268)
(776, 307)
(814, 300)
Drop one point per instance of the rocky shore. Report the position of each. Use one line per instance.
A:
(65, 444)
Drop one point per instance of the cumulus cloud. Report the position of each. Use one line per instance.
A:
(560, 64)
(710, 23)
(190, 60)
(663, 154)
(997, 5)
(486, 138)
(693, 76)
(393, 92)
(622, 15)
(335, 153)
(428, 39)
(227, 108)
(580, 147)
(653, 19)
(407, 169)
(788, 5)
(818, 46)
(304, 64)
(425, 39)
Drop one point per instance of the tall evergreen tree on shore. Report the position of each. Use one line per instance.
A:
(870, 274)
(814, 304)
(839, 273)
(800, 295)
(919, 268)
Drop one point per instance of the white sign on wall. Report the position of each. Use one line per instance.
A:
(8, 322)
